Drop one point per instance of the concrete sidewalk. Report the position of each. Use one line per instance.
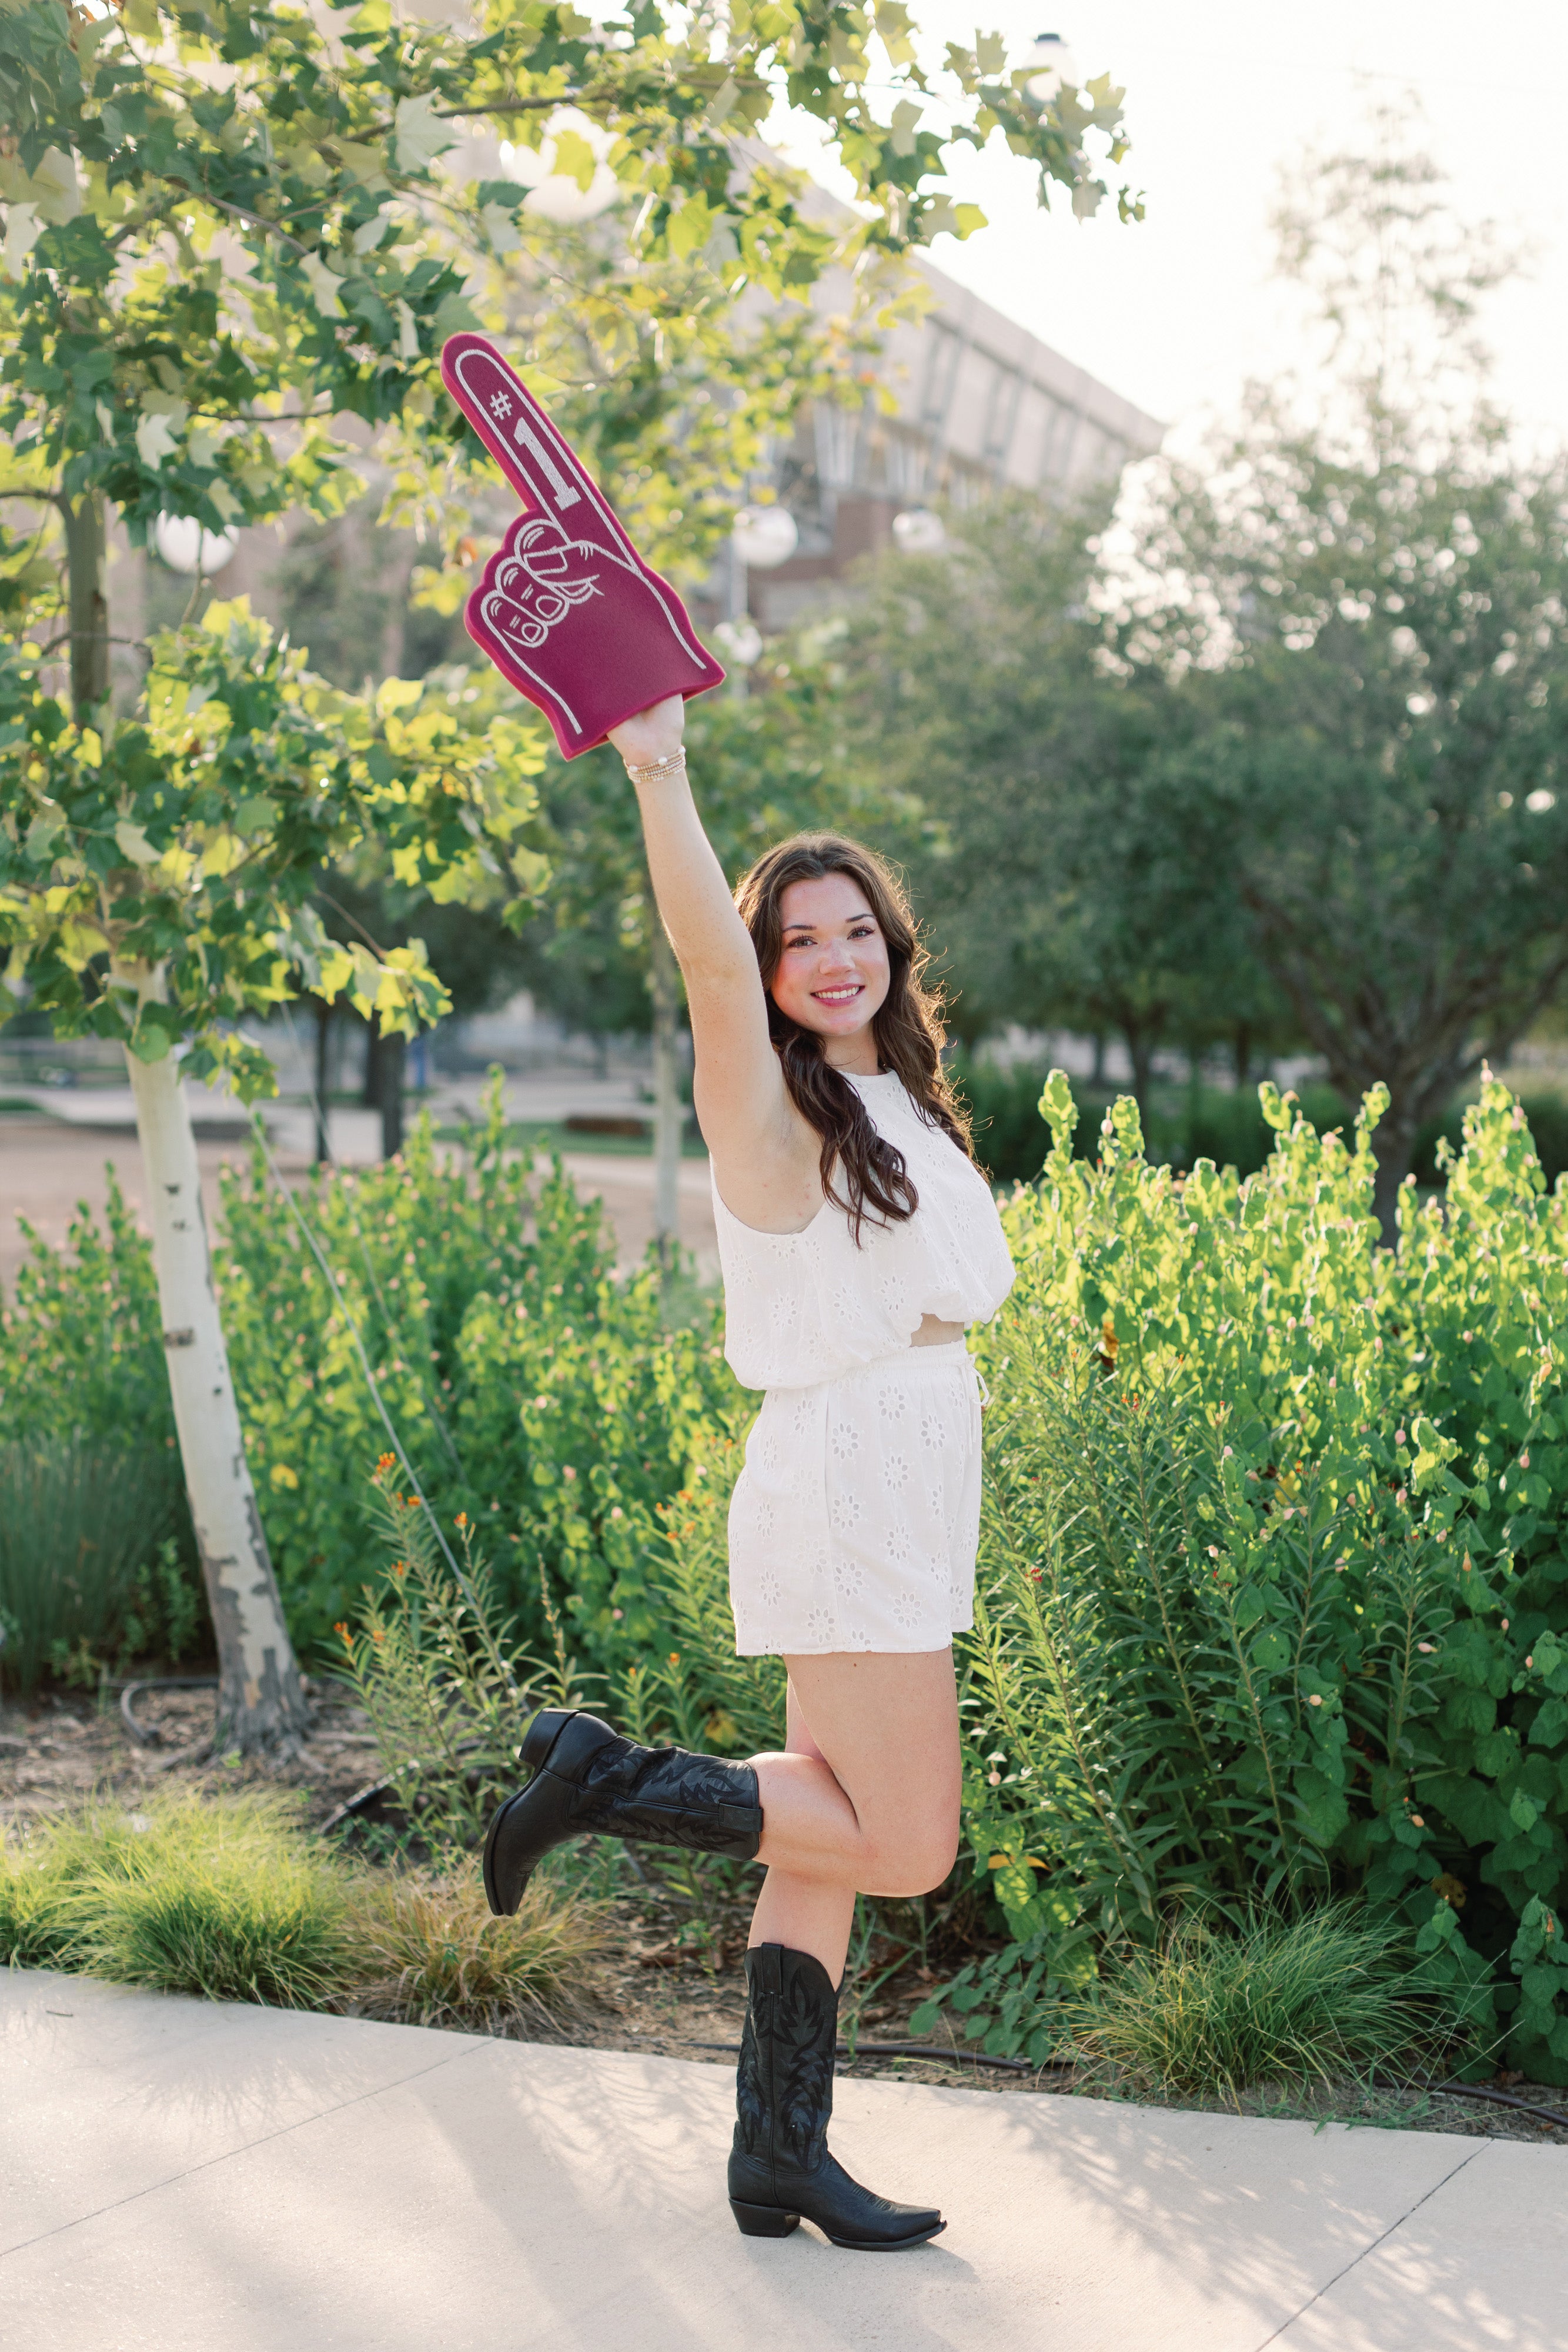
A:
(177, 2175)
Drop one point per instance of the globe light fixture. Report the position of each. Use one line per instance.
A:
(185, 546)
(560, 196)
(1056, 68)
(764, 537)
(918, 531)
(740, 643)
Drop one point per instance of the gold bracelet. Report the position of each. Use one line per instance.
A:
(658, 771)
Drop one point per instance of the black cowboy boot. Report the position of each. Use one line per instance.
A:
(587, 1780)
(779, 2168)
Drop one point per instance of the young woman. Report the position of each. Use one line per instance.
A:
(857, 1239)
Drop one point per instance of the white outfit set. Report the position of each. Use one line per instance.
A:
(855, 1521)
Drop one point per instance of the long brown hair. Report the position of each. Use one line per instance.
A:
(907, 1028)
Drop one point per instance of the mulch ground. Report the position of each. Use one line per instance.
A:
(668, 1986)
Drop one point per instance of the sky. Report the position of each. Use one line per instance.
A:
(1177, 312)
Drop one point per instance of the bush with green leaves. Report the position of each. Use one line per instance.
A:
(1185, 1123)
(533, 1387)
(98, 1563)
(549, 1397)
(91, 1573)
(430, 1655)
(1273, 1598)
(436, 1665)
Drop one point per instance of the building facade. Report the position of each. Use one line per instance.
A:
(980, 406)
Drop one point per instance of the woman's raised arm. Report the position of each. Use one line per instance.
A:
(740, 1090)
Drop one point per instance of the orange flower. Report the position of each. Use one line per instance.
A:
(462, 1519)
(384, 1461)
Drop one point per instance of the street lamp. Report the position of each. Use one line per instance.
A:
(918, 531)
(764, 537)
(1055, 68)
(558, 196)
(185, 546)
(761, 539)
(740, 642)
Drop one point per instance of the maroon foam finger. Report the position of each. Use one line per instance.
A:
(566, 609)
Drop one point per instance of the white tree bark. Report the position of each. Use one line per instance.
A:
(259, 1698)
(669, 1117)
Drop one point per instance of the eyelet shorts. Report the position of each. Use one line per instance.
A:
(855, 1523)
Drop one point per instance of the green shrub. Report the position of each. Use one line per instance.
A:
(43, 1916)
(533, 1387)
(220, 1898)
(81, 1339)
(91, 1573)
(431, 1658)
(554, 1401)
(1273, 1591)
(697, 1693)
(1186, 1124)
(435, 1664)
(90, 1489)
(1279, 2001)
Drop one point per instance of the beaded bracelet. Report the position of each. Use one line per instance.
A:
(658, 771)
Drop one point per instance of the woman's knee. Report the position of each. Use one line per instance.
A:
(915, 1862)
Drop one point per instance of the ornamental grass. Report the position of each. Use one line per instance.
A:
(1216, 2012)
(427, 1951)
(230, 1898)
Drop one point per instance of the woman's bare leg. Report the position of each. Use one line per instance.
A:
(863, 1800)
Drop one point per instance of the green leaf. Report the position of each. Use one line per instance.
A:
(134, 845)
(256, 813)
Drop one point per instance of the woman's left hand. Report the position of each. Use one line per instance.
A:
(655, 733)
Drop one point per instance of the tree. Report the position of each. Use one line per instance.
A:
(1382, 771)
(227, 226)
(989, 688)
(155, 878)
(1373, 628)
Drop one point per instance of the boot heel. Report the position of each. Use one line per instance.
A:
(541, 1735)
(763, 2220)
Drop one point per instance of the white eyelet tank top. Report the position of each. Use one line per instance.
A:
(809, 1306)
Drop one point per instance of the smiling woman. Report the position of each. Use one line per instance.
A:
(857, 1239)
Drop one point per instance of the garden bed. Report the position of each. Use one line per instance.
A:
(662, 1987)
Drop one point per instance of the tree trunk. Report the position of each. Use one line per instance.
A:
(394, 1060)
(371, 1090)
(665, 987)
(1141, 1052)
(323, 1082)
(1243, 1050)
(86, 566)
(1097, 1068)
(259, 1698)
(385, 1062)
(1394, 1142)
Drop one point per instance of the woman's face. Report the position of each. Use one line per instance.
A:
(833, 971)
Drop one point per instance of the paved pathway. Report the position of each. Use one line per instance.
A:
(176, 2176)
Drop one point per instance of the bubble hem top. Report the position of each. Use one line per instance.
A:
(812, 1305)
